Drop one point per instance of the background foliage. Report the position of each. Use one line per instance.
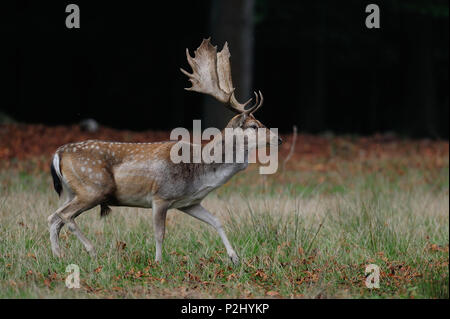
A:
(318, 65)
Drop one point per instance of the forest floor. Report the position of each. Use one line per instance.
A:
(337, 205)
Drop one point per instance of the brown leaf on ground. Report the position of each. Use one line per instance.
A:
(260, 273)
(98, 269)
(435, 247)
(47, 282)
(272, 293)
(231, 276)
(120, 245)
(31, 256)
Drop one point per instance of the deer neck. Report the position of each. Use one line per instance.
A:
(224, 145)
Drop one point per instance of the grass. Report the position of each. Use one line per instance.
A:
(299, 233)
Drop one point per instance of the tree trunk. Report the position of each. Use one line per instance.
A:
(232, 21)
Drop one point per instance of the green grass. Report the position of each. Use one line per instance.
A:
(299, 234)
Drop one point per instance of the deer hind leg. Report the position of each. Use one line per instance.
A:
(199, 212)
(159, 208)
(65, 216)
(55, 223)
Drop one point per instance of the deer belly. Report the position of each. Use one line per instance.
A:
(134, 201)
(133, 196)
(193, 198)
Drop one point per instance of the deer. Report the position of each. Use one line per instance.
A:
(102, 173)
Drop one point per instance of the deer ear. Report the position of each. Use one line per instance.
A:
(239, 120)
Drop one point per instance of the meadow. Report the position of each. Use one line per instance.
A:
(308, 231)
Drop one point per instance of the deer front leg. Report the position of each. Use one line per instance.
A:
(159, 225)
(199, 212)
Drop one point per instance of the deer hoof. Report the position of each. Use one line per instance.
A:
(235, 259)
(57, 253)
(92, 253)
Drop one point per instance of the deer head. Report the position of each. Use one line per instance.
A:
(211, 75)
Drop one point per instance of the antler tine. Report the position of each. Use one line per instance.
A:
(261, 102)
(258, 103)
(191, 76)
(190, 59)
(254, 105)
(234, 105)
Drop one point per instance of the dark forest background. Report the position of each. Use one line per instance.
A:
(316, 63)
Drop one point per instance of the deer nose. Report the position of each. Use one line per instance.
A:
(280, 141)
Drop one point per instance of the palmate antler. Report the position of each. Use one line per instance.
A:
(212, 75)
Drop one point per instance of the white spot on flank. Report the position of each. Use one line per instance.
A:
(83, 169)
(89, 169)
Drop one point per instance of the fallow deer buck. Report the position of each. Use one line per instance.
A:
(103, 173)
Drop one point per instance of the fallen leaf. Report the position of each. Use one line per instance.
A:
(272, 293)
(120, 245)
(98, 269)
(31, 256)
(231, 276)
